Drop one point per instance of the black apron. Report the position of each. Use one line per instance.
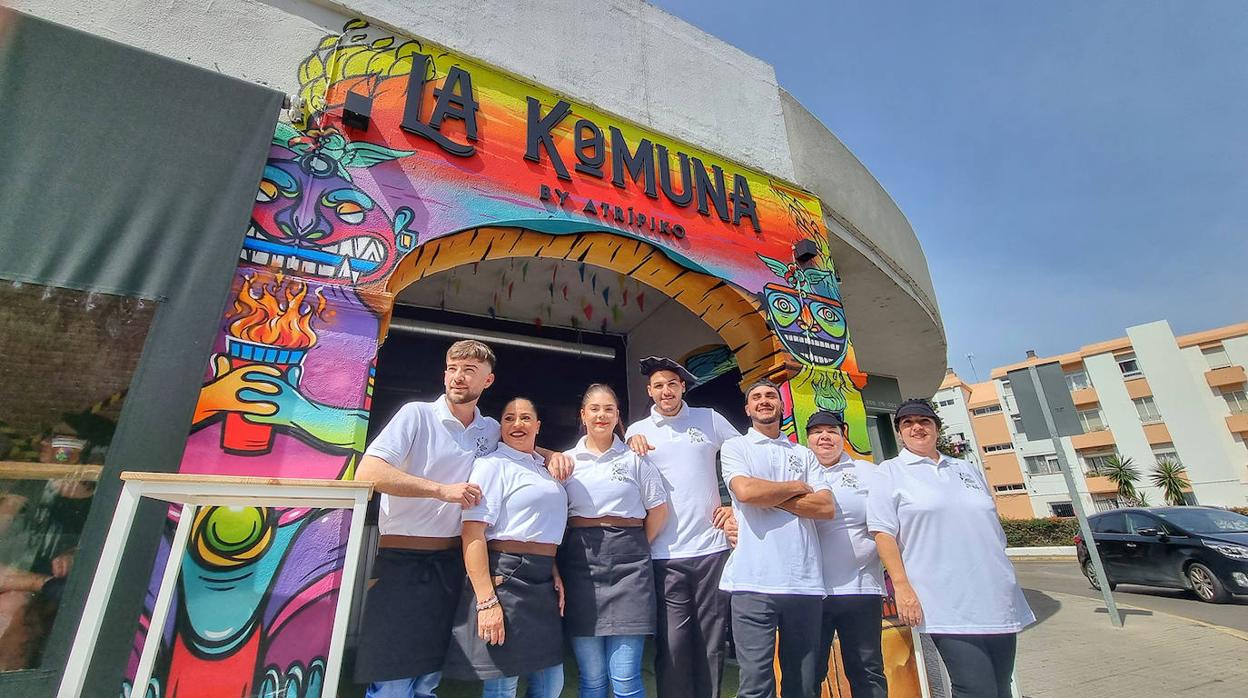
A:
(608, 582)
(406, 625)
(533, 638)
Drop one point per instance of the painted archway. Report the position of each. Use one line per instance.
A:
(735, 316)
(442, 161)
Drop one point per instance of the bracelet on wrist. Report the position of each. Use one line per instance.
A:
(488, 603)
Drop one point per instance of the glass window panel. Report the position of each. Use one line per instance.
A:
(1216, 356)
(68, 360)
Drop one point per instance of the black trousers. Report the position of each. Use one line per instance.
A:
(756, 618)
(856, 619)
(979, 666)
(692, 626)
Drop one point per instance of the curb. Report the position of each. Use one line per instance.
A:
(1240, 634)
(1045, 552)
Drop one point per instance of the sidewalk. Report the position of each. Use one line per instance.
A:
(1074, 651)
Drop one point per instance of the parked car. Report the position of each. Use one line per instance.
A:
(1185, 547)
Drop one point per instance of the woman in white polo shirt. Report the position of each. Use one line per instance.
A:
(617, 504)
(938, 534)
(852, 576)
(508, 622)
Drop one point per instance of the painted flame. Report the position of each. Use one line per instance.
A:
(278, 313)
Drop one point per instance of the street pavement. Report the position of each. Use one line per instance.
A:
(1166, 647)
(1064, 576)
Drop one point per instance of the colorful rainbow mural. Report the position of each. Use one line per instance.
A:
(343, 214)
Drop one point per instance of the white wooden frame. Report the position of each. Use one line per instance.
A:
(192, 492)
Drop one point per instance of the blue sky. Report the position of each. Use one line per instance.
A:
(1071, 167)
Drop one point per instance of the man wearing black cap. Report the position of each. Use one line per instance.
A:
(690, 551)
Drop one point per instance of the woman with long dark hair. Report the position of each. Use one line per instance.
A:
(617, 504)
(508, 623)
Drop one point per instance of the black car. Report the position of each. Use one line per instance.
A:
(1199, 548)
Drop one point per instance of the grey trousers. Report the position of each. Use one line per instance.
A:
(692, 626)
(756, 618)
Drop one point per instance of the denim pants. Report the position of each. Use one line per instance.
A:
(418, 687)
(614, 657)
(543, 683)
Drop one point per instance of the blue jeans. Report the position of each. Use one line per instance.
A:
(419, 687)
(617, 657)
(543, 683)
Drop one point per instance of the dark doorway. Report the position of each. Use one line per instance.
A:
(410, 366)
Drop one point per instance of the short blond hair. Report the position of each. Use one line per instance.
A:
(471, 349)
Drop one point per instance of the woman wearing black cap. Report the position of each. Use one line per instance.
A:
(852, 577)
(938, 534)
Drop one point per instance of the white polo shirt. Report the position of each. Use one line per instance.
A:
(615, 483)
(951, 542)
(520, 500)
(426, 440)
(777, 552)
(851, 564)
(684, 452)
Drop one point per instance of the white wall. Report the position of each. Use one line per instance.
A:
(624, 56)
(1182, 396)
(1121, 417)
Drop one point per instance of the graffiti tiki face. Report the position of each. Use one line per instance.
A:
(310, 219)
(811, 327)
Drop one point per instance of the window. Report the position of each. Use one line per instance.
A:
(1137, 521)
(1006, 489)
(1062, 509)
(944, 403)
(990, 409)
(1165, 451)
(1216, 357)
(74, 353)
(1078, 380)
(1091, 420)
(1094, 462)
(1147, 409)
(1042, 465)
(997, 448)
(1128, 365)
(1018, 423)
(1105, 503)
(1110, 523)
(1236, 400)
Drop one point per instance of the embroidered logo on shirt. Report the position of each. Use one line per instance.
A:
(696, 436)
(619, 472)
(850, 481)
(969, 482)
(483, 445)
(796, 467)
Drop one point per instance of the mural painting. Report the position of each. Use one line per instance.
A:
(405, 160)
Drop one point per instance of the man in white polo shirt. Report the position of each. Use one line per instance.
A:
(690, 551)
(420, 464)
(774, 574)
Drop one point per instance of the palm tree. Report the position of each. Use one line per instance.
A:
(1123, 473)
(1170, 476)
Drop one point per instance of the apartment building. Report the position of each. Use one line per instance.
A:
(1148, 396)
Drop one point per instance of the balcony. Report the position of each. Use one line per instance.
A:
(1157, 433)
(1138, 388)
(1099, 484)
(1237, 423)
(1093, 439)
(1086, 396)
(1225, 377)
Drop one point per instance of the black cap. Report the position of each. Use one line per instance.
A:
(650, 364)
(915, 407)
(825, 418)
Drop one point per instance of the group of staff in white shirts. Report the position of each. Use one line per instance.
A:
(493, 550)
